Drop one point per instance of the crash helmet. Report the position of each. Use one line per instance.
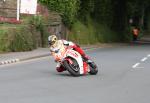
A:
(52, 39)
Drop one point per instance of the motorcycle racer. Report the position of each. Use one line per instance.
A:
(55, 45)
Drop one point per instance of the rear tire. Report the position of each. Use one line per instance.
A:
(73, 69)
(93, 68)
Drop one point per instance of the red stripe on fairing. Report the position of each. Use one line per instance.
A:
(85, 66)
(73, 54)
(69, 60)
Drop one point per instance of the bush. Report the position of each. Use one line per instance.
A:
(91, 33)
(105, 34)
(32, 33)
(83, 34)
(3, 40)
(16, 39)
(23, 40)
(40, 24)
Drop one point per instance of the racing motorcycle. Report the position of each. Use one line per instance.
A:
(73, 62)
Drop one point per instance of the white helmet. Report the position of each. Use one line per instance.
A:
(52, 39)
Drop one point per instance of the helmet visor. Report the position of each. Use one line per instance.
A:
(51, 42)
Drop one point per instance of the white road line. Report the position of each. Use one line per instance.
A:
(145, 58)
(142, 60)
(135, 65)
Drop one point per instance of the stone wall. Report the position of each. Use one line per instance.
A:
(54, 24)
(8, 8)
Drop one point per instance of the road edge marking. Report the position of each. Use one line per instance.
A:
(9, 61)
(136, 65)
(144, 59)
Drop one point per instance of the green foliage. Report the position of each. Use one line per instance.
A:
(86, 8)
(3, 40)
(24, 37)
(16, 39)
(38, 23)
(135, 7)
(22, 41)
(92, 33)
(103, 12)
(114, 15)
(83, 34)
(148, 26)
(105, 34)
(67, 8)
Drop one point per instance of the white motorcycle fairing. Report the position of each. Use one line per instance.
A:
(74, 54)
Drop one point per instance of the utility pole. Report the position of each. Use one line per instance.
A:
(18, 9)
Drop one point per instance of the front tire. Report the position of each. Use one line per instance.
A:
(73, 69)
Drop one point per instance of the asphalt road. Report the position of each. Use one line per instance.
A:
(124, 77)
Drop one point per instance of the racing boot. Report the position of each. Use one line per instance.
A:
(60, 69)
(86, 59)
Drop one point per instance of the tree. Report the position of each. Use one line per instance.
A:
(103, 12)
(86, 8)
(67, 8)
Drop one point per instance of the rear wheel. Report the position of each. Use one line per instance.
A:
(93, 68)
(73, 68)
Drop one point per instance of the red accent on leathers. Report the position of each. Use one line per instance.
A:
(79, 50)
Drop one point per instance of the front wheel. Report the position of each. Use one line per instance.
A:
(93, 68)
(73, 68)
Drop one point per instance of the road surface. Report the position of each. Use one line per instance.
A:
(124, 77)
